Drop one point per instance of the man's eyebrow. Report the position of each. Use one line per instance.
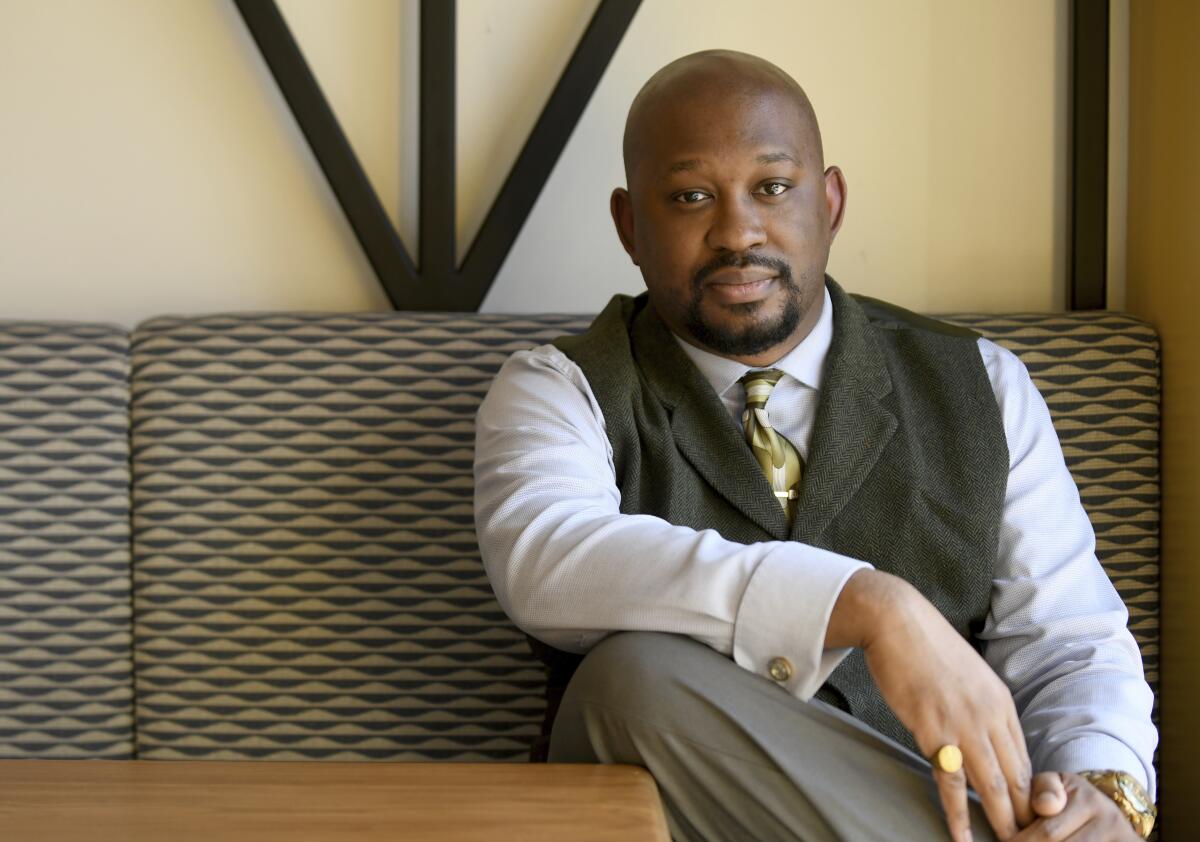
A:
(776, 157)
(683, 166)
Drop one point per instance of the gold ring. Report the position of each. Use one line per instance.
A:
(948, 759)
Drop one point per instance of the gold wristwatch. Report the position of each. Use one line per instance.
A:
(1124, 789)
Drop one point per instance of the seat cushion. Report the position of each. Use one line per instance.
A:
(65, 672)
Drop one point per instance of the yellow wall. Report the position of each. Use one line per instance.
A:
(1163, 277)
(148, 163)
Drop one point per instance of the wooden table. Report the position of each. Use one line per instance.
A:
(172, 801)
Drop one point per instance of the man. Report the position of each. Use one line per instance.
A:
(757, 504)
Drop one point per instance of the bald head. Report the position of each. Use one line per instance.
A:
(714, 76)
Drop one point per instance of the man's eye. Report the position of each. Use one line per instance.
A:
(774, 188)
(689, 197)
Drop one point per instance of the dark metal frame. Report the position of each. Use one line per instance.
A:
(1087, 270)
(438, 283)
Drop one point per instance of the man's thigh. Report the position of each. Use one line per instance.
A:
(738, 758)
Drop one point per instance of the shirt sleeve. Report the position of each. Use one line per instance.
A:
(1056, 632)
(569, 568)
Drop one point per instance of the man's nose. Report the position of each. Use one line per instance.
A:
(736, 226)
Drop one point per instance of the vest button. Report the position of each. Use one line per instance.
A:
(780, 669)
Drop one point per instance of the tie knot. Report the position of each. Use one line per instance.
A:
(759, 385)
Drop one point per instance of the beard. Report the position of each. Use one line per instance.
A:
(757, 334)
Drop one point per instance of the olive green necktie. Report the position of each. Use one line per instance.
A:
(777, 456)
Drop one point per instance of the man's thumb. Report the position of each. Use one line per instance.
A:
(1048, 794)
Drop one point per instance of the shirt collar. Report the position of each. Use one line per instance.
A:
(805, 362)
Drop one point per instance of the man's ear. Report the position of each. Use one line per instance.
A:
(621, 207)
(835, 198)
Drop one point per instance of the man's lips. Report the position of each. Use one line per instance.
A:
(738, 286)
(740, 277)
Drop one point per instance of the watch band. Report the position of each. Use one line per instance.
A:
(1128, 793)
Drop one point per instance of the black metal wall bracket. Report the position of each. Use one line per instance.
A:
(1087, 244)
(437, 283)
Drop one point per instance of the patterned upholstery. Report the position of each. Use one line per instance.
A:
(307, 583)
(65, 671)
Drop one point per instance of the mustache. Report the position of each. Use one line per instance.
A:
(733, 260)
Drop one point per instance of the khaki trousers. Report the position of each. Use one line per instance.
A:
(738, 758)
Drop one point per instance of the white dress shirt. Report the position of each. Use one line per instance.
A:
(569, 568)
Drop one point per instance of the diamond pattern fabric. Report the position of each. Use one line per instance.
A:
(66, 684)
(308, 584)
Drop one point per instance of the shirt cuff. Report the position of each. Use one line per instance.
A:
(1096, 753)
(779, 631)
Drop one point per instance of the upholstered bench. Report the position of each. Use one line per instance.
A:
(250, 536)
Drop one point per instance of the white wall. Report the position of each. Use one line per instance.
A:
(148, 163)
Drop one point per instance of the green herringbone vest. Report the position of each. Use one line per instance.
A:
(907, 465)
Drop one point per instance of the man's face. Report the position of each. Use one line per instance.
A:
(730, 219)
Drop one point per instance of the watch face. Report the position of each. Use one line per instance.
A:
(1130, 791)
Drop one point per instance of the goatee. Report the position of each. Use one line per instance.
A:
(755, 336)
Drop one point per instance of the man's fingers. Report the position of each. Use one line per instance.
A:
(1049, 795)
(985, 774)
(1070, 825)
(1081, 818)
(1089, 831)
(1018, 738)
(952, 787)
(1014, 763)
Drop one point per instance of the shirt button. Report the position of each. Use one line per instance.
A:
(780, 669)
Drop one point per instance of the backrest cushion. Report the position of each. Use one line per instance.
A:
(307, 581)
(65, 672)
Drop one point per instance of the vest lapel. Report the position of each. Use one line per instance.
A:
(703, 430)
(852, 426)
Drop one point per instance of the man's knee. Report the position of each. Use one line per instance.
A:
(631, 672)
(630, 689)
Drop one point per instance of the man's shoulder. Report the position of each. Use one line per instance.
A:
(608, 332)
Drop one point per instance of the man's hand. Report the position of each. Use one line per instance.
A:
(1068, 807)
(943, 692)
